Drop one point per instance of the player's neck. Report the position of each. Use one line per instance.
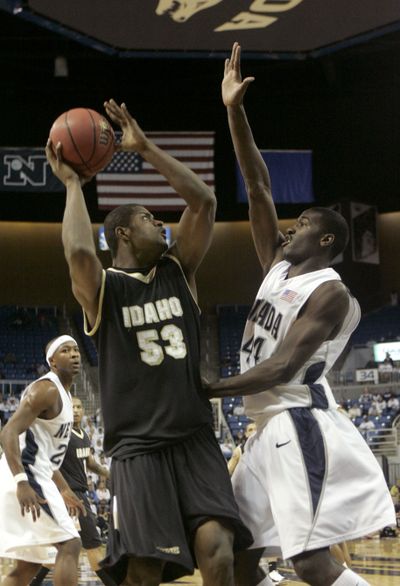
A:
(307, 266)
(140, 261)
(77, 427)
(128, 257)
(65, 379)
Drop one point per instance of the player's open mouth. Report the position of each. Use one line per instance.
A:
(288, 239)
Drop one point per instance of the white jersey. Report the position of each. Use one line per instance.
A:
(277, 305)
(307, 467)
(45, 442)
(43, 447)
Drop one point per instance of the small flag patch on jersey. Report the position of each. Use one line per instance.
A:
(288, 295)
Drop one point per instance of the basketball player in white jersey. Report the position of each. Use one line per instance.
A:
(35, 500)
(307, 479)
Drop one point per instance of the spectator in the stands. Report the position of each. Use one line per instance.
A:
(380, 403)
(366, 425)
(366, 396)
(98, 434)
(103, 493)
(395, 492)
(393, 403)
(90, 428)
(373, 411)
(104, 461)
(98, 446)
(97, 417)
(354, 411)
(92, 491)
(365, 401)
(388, 360)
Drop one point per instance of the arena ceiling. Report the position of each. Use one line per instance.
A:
(267, 28)
(333, 88)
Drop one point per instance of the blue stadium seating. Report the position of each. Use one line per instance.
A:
(24, 333)
(379, 326)
(87, 342)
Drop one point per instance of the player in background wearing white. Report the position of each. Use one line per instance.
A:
(238, 451)
(307, 479)
(35, 500)
(77, 461)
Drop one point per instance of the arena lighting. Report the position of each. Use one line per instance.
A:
(60, 66)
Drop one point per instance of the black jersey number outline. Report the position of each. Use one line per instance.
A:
(58, 457)
(253, 347)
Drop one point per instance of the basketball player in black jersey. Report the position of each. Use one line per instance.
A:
(171, 492)
(77, 460)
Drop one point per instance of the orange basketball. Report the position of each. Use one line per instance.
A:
(87, 138)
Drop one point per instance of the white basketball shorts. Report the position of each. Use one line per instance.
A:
(308, 480)
(21, 537)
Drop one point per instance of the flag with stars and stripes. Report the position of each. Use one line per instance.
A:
(130, 179)
(288, 295)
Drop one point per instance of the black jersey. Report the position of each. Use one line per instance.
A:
(148, 341)
(74, 465)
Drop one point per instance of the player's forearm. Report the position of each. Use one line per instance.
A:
(182, 179)
(97, 469)
(60, 481)
(262, 377)
(252, 165)
(77, 232)
(9, 440)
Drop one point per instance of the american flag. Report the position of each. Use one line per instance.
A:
(288, 295)
(130, 179)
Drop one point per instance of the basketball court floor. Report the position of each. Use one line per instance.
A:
(376, 560)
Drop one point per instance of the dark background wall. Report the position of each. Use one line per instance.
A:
(34, 271)
(344, 106)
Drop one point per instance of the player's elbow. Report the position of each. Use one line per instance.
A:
(210, 202)
(79, 254)
(257, 190)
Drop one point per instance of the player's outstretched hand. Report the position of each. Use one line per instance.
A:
(29, 501)
(133, 137)
(233, 87)
(74, 505)
(60, 168)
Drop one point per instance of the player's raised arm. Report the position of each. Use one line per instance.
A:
(263, 218)
(77, 236)
(197, 221)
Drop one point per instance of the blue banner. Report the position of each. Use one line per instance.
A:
(27, 170)
(291, 176)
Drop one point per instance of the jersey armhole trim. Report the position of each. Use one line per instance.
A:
(176, 260)
(86, 327)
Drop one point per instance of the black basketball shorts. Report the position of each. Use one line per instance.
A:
(161, 498)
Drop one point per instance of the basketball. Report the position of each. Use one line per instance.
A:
(87, 138)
